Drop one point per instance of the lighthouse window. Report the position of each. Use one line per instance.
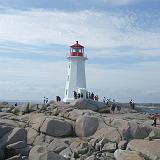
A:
(66, 91)
(76, 50)
(68, 78)
(69, 65)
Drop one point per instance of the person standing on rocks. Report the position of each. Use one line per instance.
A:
(87, 95)
(132, 104)
(118, 108)
(75, 94)
(58, 99)
(154, 120)
(81, 95)
(46, 100)
(78, 95)
(104, 100)
(92, 96)
(96, 97)
(113, 107)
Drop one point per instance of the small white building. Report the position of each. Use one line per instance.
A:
(76, 79)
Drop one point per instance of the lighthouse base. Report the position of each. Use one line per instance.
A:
(68, 99)
(81, 91)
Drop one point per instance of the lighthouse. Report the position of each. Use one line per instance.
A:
(76, 79)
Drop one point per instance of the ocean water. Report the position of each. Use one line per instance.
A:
(151, 110)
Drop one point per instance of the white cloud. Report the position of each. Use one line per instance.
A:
(28, 79)
(139, 81)
(121, 2)
(93, 29)
(31, 80)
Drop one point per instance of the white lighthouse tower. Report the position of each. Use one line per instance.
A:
(76, 79)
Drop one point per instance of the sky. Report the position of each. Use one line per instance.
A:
(121, 39)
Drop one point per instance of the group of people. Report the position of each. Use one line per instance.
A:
(92, 96)
(58, 98)
(77, 95)
(132, 104)
(115, 106)
(107, 101)
(45, 100)
(88, 95)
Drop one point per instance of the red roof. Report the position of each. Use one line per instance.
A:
(77, 45)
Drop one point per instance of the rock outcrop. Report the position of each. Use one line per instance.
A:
(149, 149)
(56, 128)
(81, 130)
(86, 126)
(41, 153)
(127, 155)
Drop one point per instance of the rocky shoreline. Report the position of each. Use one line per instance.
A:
(82, 130)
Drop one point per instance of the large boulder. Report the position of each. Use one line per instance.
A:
(16, 145)
(21, 109)
(23, 151)
(109, 133)
(56, 128)
(5, 115)
(127, 155)
(41, 153)
(86, 126)
(4, 130)
(39, 140)
(36, 121)
(31, 135)
(150, 149)
(122, 126)
(155, 133)
(131, 130)
(9, 122)
(88, 104)
(17, 148)
(1, 154)
(138, 131)
(76, 113)
(17, 134)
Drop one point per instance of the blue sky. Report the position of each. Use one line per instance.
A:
(121, 39)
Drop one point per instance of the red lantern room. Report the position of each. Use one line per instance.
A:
(77, 50)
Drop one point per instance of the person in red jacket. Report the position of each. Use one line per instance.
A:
(154, 120)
